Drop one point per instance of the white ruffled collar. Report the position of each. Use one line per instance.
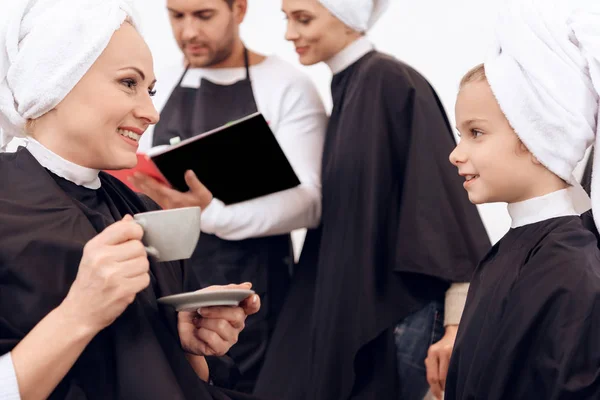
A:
(82, 176)
(349, 55)
(553, 205)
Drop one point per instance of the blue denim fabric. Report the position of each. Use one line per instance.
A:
(413, 336)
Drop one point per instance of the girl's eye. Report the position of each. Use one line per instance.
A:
(152, 92)
(475, 133)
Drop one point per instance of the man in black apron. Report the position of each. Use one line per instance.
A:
(266, 262)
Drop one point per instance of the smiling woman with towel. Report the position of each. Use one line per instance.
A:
(76, 78)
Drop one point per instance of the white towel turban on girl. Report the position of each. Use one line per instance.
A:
(46, 47)
(545, 74)
(359, 15)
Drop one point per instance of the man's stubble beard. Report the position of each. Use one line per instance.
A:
(223, 52)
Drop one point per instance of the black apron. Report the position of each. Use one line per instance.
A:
(263, 261)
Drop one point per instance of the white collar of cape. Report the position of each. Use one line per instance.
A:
(553, 205)
(72, 172)
(350, 54)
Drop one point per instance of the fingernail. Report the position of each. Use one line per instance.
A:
(201, 311)
(247, 283)
(254, 299)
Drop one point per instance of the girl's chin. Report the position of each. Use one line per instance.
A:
(478, 199)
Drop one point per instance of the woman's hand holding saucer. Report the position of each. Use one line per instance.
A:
(212, 331)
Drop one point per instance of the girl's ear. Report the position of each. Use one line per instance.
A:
(535, 160)
(522, 149)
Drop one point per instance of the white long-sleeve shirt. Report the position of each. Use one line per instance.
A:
(291, 104)
(9, 388)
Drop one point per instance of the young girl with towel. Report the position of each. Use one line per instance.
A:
(530, 327)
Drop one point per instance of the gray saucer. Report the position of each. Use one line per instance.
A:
(192, 301)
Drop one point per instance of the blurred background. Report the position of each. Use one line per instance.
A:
(441, 39)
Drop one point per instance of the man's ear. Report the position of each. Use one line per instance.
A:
(240, 8)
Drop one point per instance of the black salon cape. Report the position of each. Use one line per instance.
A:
(44, 224)
(531, 325)
(397, 228)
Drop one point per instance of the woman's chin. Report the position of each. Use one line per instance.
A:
(308, 60)
(123, 161)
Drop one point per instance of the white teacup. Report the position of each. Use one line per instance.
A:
(170, 234)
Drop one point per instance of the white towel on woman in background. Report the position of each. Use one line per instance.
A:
(359, 15)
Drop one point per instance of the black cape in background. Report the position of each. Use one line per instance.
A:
(397, 228)
(530, 328)
(586, 179)
(44, 224)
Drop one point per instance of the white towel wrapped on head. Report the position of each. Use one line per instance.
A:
(545, 74)
(359, 15)
(46, 47)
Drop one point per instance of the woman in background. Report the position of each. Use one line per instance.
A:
(398, 235)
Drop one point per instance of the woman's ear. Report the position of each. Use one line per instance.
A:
(531, 156)
(30, 127)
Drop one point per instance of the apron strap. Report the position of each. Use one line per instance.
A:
(247, 64)
(182, 76)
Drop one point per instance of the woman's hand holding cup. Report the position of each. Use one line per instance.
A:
(113, 269)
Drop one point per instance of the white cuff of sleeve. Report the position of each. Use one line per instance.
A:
(9, 387)
(210, 216)
(456, 297)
